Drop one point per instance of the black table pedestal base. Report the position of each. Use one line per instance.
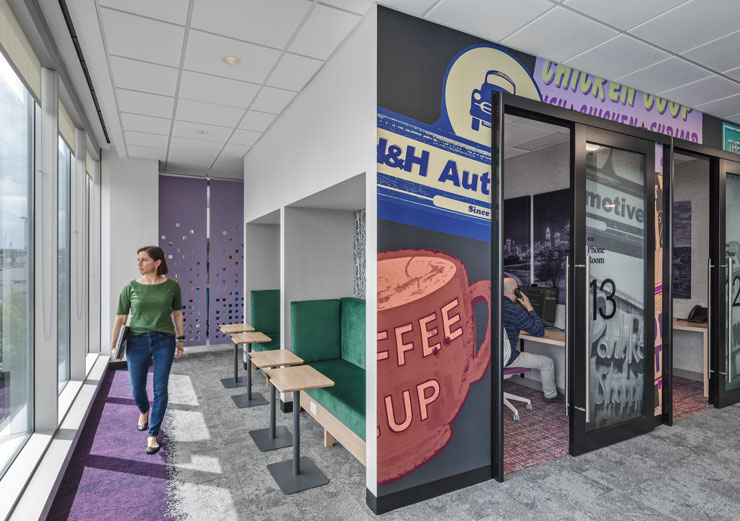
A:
(243, 401)
(261, 437)
(228, 383)
(308, 477)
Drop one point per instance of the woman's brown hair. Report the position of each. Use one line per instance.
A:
(156, 254)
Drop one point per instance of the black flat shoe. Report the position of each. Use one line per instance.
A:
(153, 450)
(143, 426)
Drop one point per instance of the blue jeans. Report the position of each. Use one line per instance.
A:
(140, 351)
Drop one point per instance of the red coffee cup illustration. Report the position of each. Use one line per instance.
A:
(427, 356)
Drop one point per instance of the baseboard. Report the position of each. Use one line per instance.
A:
(286, 406)
(403, 498)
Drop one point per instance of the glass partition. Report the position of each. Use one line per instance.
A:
(16, 264)
(616, 260)
(732, 247)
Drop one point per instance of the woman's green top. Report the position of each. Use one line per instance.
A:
(150, 305)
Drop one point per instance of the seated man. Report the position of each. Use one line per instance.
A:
(518, 314)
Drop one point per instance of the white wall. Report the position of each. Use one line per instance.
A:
(261, 260)
(325, 136)
(318, 258)
(130, 220)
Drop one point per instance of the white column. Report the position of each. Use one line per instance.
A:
(94, 261)
(45, 257)
(78, 263)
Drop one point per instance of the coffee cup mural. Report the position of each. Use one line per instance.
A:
(427, 354)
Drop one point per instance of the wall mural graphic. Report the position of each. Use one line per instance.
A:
(427, 357)
(682, 249)
(182, 236)
(551, 225)
(517, 224)
(226, 258)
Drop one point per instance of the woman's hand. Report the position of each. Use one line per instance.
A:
(180, 350)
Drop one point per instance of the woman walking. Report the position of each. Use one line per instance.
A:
(154, 302)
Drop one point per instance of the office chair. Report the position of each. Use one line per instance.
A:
(508, 373)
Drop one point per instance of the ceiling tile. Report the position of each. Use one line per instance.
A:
(516, 134)
(143, 139)
(691, 24)
(544, 37)
(266, 22)
(735, 119)
(185, 167)
(147, 152)
(544, 141)
(324, 30)
(258, 121)
(664, 75)
(272, 100)
(148, 124)
(293, 72)
(144, 103)
(205, 53)
(191, 156)
(208, 148)
(617, 57)
(624, 14)
(229, 162)
(720, 55)
(245, 137)
(135, 37)
(356, 6)
(175, 11)
(233, 151)
(145, 77)
(510, 153)
(702, 91)
(722, 108)
(734, 74)
(415, 7)
(493, 19)
(189, 130)
(200, 112)
(213, 89)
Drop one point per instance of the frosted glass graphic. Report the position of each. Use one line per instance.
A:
(733, 255)
(616, 239)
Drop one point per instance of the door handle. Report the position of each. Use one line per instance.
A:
(730, 262)
(567, 327)
(709, 315)
(588, 339)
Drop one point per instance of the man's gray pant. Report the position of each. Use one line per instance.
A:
(544, 365)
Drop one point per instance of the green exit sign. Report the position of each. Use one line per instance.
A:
(731, 138)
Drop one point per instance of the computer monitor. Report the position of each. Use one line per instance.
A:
(544, 301)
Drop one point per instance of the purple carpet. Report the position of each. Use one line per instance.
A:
(110, 476)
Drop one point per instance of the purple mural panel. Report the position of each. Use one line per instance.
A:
(226, 257)
(182, 236)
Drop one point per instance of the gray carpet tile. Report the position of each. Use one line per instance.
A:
(688, 471)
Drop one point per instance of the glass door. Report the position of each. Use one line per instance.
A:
(725, 356)
(611, 348)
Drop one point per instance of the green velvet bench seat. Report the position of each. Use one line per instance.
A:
(264, 313)
(329, 335)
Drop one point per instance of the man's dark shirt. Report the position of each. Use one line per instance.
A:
(516, 318)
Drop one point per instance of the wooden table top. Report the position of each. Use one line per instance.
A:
(685, 325)
(554, 337)
(278, 357)
(297, 378)
(250, 338)
(235, 328)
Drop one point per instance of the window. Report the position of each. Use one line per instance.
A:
(63, 255)
(16, 264)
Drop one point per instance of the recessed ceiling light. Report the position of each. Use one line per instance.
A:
(231, 60)
(201, 132)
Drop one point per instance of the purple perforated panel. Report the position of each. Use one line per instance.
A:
(182, 236)
(226, 257)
